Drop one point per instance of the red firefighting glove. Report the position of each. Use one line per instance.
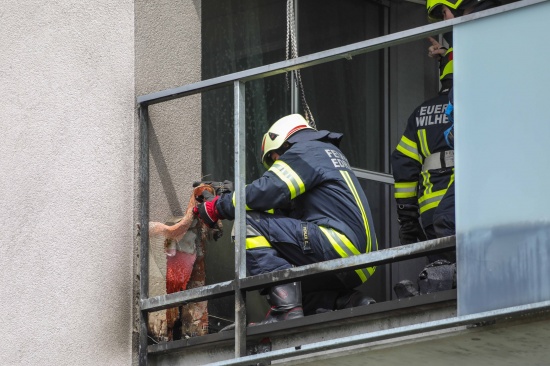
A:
(410, 230)
(208, 212)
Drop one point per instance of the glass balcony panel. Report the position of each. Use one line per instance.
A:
(501, 103)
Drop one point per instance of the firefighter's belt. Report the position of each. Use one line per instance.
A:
(439, 160)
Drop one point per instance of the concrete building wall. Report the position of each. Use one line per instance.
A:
(168, 55)
(66, 182)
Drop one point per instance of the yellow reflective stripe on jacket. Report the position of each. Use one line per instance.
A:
(288, 175)
(234, 201)
(271, 210)
(431, 200)
(257, 242)
(409, 148)
(345, 249)
(353, 190)
(423, 142)
(405, 189)
(426, 183)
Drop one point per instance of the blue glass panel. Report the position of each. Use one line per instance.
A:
(502, 159)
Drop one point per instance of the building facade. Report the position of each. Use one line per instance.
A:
(77, 80)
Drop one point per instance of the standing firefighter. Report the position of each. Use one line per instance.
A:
(444, 216)
(423, 162)
(423, 168)
(308, 207)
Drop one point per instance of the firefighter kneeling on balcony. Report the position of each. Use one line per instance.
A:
(308, 207)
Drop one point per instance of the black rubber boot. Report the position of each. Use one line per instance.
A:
(286, 303)
(406, 288)
(353, 299)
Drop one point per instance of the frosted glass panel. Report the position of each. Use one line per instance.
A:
(502, 153)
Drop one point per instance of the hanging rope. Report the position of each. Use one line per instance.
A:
(292, 52)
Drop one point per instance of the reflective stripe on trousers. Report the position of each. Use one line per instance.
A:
(345, 248)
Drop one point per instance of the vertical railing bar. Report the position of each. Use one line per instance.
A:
(294, 92)
(240, 217)
(144, 225)
(386, 141)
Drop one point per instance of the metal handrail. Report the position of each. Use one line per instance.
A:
(368, 338)
(379, 257)
(338, 53)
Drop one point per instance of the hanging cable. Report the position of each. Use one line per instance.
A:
(292, 52)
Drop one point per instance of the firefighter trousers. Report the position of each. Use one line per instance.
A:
(444, 220)
(275, 242)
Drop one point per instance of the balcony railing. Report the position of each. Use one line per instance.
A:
(240, 284)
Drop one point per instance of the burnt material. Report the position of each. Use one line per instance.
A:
(184, 252)
(405, 289)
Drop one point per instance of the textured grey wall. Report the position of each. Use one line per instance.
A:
(66, 182)
(168, 55)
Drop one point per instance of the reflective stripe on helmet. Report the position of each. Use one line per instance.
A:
(432, 5)
(295, 129)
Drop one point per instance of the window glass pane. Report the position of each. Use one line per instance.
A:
(346, 96)
(266, 101)
(503, 226)
(240, 35)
